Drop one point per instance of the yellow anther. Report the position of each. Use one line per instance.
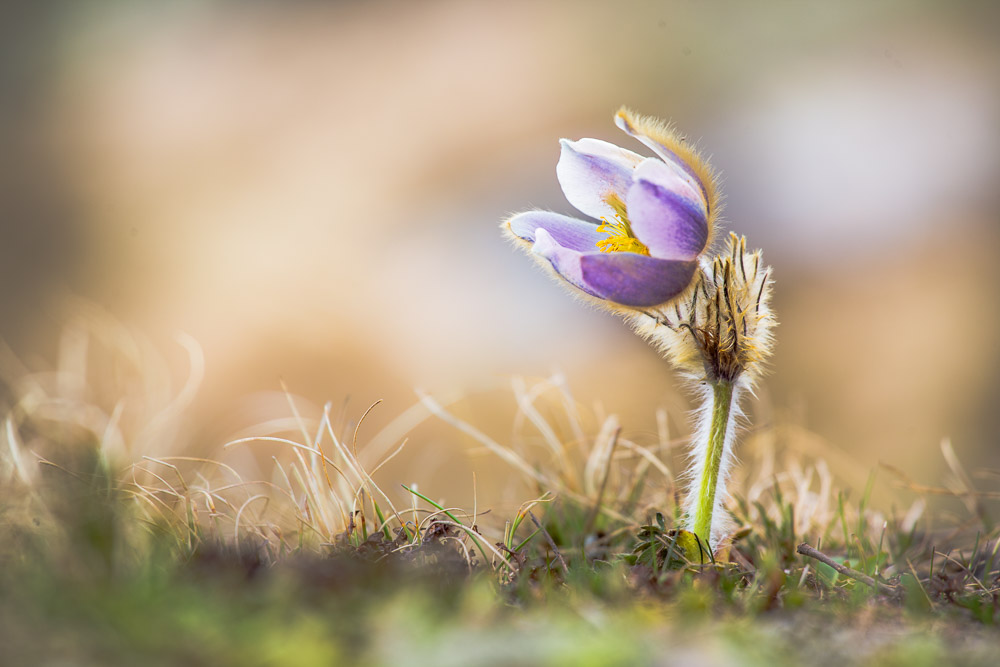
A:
(619, 239)
(620, 236)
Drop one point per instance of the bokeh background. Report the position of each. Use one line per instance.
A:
(312, 191)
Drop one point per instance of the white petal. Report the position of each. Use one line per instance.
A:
(591, 170)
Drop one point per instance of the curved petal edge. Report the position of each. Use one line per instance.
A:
(670, 146)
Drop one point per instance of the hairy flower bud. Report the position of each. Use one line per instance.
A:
(721, 330)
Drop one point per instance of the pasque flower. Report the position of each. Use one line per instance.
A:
(657, 216)
(712, 319)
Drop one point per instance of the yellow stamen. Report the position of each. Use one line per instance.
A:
(620, 236)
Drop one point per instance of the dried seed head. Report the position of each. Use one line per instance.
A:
(720, 331)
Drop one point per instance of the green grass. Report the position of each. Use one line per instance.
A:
(178, 561)
(90, 581)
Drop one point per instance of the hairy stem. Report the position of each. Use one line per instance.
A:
(704, 506)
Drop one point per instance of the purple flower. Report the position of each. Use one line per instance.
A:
(657, 217)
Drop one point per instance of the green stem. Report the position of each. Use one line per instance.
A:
(705, 504)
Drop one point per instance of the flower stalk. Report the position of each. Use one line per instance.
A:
(718, 438)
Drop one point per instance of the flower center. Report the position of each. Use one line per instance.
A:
(620, 236)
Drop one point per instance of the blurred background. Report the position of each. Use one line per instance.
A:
(312, 192)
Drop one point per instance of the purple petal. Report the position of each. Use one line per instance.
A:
(680, 167)
(663, 215)
(565, 231)
(635, 280)
(591, 170)
(566, 262)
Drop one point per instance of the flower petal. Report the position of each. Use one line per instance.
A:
(564, 261)
(590, 171)
(635, 280)
(666, 215)
(640, 128)
(565, 231)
